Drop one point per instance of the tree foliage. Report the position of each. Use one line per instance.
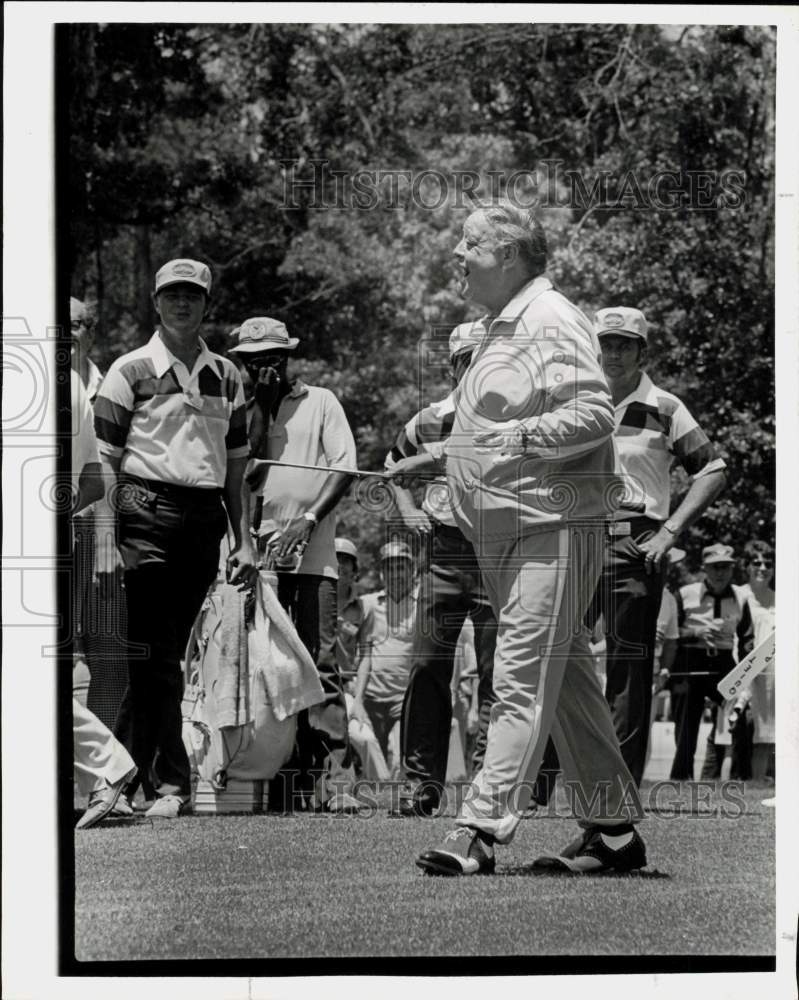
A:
(196, 140)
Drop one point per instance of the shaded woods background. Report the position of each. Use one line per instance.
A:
(650, 150)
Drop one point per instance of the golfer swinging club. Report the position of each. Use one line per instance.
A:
(530, 466)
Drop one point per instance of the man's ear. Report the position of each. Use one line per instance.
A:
(642, 354)
(510, 254)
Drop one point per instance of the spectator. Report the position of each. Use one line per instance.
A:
(667, 638)
(101, 619)
(713, 615)
(292, 422)
(102, 767)
(759, 564)
(653, 429)
(351, 613)
(171, 427)
(385, 662)
(451, 591)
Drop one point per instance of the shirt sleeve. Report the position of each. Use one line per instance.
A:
(667, 618)
(338, 443)
(690, 445)
(579, 415)
(427, 430)
(113, 412)
(84, 440)
(236, 441)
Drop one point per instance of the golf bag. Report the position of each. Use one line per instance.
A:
(230, 729)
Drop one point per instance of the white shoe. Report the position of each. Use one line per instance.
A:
(771, 803)
(166, 807)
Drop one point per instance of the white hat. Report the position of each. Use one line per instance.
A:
(622, 321)
(182, 270)
(261, 333)
(344, 547)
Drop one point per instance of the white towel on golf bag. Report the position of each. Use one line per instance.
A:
(258, 748)
(277, 652)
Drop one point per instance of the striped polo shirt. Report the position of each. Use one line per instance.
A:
(653, 428)
(427, 431)
(165, 423)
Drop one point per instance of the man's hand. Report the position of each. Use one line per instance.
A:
(407, 471)
(266, 388)
(293, 539)
(505, 440)
(656, 548)
(242, 565)
(415, 520)
(710, 633)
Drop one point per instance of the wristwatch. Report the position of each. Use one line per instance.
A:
(310, 516)
(671, 527)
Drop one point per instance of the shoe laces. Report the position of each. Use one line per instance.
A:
(462, 831)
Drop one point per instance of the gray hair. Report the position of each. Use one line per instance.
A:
(518, 226)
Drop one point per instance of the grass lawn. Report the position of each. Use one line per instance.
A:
(299, 886)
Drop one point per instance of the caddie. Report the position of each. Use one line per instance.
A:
(171, 430)
(290, 421)
(653, 430)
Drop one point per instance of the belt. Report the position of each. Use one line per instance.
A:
(174, 491)
(632, 526)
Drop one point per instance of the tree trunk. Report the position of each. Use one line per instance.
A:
(143, 277)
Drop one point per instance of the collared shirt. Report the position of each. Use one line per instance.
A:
(310, 428)
(388, 634)
(428, 431)
(653, 428)
(538, 363)
(165, 423)
(697, 607)
(349, 634)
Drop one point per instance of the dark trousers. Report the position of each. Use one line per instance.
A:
(449, 592)
(383, 715)
(740, 751)
(688, 695)
(169, 539)
(322, 748)
(629, 599)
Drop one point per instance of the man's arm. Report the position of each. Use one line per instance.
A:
(90, 487)
(338, 446)
(299, 531)
(701, 494)
(241, 563)
(361, 681)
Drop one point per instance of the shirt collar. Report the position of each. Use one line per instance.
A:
(298, 388)
(704, 591)
(163, 359)
(640, 394)
(521, 300)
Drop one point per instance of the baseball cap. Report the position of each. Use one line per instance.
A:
(260, 333)
(717, 553)
(183, 270)
(465, 337)
(344, 547)
(396, 550)
(622, 321)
